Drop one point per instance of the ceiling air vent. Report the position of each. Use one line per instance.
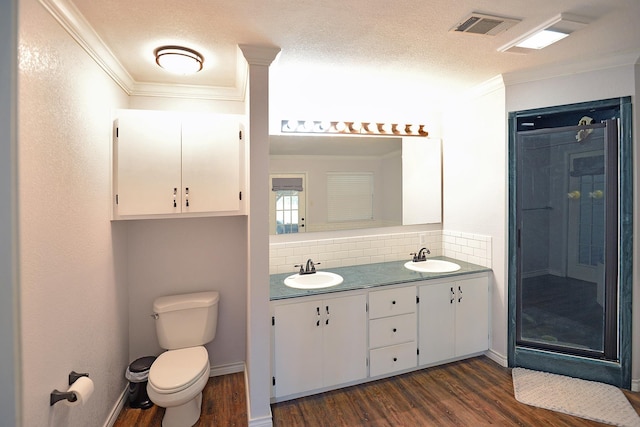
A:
(488, 25)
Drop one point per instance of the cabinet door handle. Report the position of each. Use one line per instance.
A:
(318, 323)
(175, 194)
(393, 302)
(395, 330)
(326, 322)
(453, 296)
(186, 196)
(326, 307)
(459, 294)
(395, 359)
(318, 310)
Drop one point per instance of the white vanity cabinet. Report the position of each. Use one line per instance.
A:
(453, 318)
(168, 163)
(318, 343)
(392, 330)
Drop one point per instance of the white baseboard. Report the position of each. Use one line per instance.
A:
(635, 385)
(113, 416)
(500, 359)
(267, 420)
(230, 368)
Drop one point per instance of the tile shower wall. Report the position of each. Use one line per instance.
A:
(341, 252)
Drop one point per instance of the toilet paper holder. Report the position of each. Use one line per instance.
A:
(70, 396)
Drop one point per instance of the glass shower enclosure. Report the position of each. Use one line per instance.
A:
(565, 311)
(561, 214)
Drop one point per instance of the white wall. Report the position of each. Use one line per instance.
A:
(72, 259)
(9, 350)
(475, 185)
(609, 78)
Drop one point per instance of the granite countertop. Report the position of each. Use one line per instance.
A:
(368, 276)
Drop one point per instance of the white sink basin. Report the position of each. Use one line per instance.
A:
(432, 266)
(317, 280)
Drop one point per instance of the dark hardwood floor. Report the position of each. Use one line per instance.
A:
(473, 392)
(223, 404)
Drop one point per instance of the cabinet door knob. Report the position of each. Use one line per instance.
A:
(175, 194)
(395, 359)
(186, 198)
(393, 302)
(395, 330)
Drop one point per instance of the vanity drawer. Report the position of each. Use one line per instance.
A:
(386, 360)
(392, 330)
(392, 302)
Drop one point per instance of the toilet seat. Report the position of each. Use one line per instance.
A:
(176, 370)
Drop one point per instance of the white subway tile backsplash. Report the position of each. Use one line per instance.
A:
(339, 252)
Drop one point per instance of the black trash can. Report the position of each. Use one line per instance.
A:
(138, 373)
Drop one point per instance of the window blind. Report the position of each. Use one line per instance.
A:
(349, 196)
(283, 184)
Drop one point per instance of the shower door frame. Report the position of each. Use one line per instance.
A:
(612, 370)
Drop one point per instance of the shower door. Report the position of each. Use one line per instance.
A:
(566, 247)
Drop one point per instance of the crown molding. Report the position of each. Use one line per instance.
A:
(620, 59)
(259, 55)
(83, 33)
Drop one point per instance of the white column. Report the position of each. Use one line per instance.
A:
(9, 345)
(258, 325)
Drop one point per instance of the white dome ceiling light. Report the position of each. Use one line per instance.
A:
(179, 60)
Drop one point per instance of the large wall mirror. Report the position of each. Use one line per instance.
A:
(327, 183)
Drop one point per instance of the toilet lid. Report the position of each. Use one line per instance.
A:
(175, 370)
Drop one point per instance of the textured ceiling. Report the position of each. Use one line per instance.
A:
(404, 41)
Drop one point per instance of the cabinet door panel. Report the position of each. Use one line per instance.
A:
(437, 322)
(210, 163)
(472, 316)
(298, 347)
(345, 339)
(147, 152)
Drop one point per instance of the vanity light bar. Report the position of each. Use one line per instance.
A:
(357, 128)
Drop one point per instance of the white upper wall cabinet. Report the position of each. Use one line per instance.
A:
(168, 164)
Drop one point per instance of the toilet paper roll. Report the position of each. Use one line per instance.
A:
(82, 388)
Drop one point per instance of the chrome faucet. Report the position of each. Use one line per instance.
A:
(310, 268)
(421, 255)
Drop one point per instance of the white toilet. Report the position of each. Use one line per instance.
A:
(184, 323)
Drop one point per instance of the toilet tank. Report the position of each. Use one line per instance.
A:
(186, 320)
